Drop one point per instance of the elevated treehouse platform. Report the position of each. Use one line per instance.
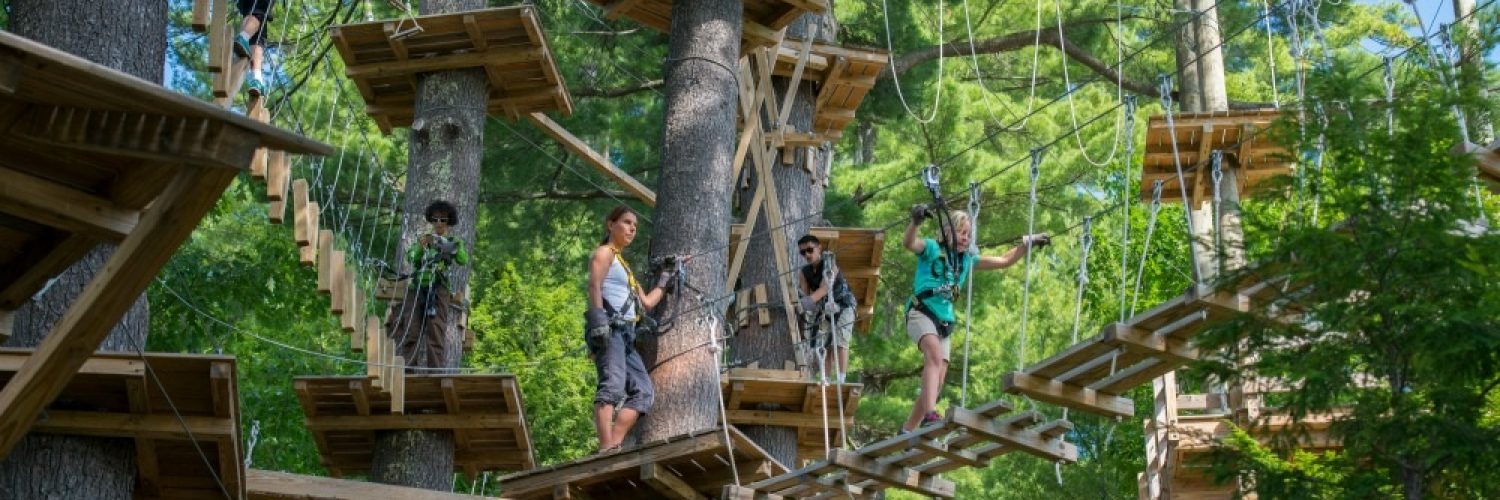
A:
(913, 461)
(843, 75)
(1243, 136)
(786, 398)
(763, 24)
(690, 466)
(507, 43)
(484, 412)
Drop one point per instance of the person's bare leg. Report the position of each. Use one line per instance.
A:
(932, 381)
(624, 421)
(257, 53)
(843, 362)
(249, 26)
(603, 414)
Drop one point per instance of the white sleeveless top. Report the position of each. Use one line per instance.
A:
(617, 290)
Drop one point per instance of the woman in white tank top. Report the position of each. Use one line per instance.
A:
(624, 390)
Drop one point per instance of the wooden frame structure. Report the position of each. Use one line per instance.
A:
(87, 150)
(785, 398)
(484, 412)
(272, 485)
(913, 461)
(859, 252)
(171, 405)
(763, 25)
(695, 465)
(507, 42)
(843, 74)
(1242, 135)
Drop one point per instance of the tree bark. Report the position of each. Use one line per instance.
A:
(1211, 57)
(692, 212)
(1471, 71)
(443, 163)
(1189, 90)
(130, 37)
(800, 194)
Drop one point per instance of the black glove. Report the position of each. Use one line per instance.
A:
(1035, 241)
(918, 214)
(666, 281)
(596, 323)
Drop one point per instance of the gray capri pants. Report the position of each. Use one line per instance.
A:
(623, 380)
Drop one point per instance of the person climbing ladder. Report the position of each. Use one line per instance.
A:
(610, 328)
(419, 323)
(251, 41)
(816, 291)
(942, 265)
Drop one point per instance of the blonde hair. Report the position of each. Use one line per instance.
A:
(959, 218)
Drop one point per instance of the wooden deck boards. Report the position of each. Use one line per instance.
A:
(859, 252)
(1240, 134)
(763, 18)
(785, 398)
(117, 395)
(843, 74)
(484, 412)
(272, 485)
(699, 460)
(507, 43)
(912, 461)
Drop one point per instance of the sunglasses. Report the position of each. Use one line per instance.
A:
(807, 250)
(435, 220)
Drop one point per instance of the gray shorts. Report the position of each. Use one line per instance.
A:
(918, 325)
(843, 327)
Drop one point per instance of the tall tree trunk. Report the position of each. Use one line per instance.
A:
(1189, 95)
(800, 194)
(446, 149)
(130, 37)
(1471, 71)
(1210, 57)
(693, 198)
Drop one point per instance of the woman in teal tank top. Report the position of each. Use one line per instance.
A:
(942, 266)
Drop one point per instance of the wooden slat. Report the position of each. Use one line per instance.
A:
(1078, 398)
(270, 485)
(594, 159)
(49, 203)
(667, 484)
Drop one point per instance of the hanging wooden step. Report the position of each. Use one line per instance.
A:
(1243, 136)
(763, 19)
(273, 485)
(167, 403)
(1093, 375)
(913, 461)
(692, 465)
(859, 252)
(787, 398)
(843, 74)
(507, 43)
(484, 412)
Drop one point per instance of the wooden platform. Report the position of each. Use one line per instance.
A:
(844, 75)
(1198, 135)
(689, 466)
(785, 398)
(1093, 375)
(859, 254)
(764, 19)
(87, 150)
(484, 412)
(272, 485)
(913, 461)
(118, 396)
(1487, 160)
(506, 42)
(1192, 439)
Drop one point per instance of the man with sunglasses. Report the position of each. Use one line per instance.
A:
(816, 292)
(420, 323)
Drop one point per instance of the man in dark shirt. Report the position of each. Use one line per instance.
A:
(818, 293)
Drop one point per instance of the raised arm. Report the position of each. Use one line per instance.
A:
(598, 268)
(1014, 255)
(910, 239)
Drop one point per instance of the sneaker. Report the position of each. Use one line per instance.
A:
(932, 417)
(257, 88)
(241, 45)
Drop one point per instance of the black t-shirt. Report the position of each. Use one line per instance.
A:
(842, 294)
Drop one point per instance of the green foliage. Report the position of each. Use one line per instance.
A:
(1262, 470)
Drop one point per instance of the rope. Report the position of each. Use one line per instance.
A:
(1271, 54)
(974, 206)
(1216, 159)
(1166, 104)
(717, 349)
(1036, 162)
(1146, 247)
(1126, 195)
(1068, 82)
(151, 372)
(896, 75)
(1036, 47)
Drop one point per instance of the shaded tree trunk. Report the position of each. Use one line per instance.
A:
(1189, 93)
(446, 149)
(693, 199)
(1210, 57)
(800, 194)
(130, 37)
(1471, 71)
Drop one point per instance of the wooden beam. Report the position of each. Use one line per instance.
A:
(443, 62)
(271, 485)
(7, 324)
(784, 418)
(594, 159)
(1068, 395)
(667, 484)
(202, 141)
(39, 262)
(415, 421)
(525, 485)
(75, 337)
(52, 204)
(620, 8)
(894, 476)
(1140, 340)
(1024, 439)
(128, 425)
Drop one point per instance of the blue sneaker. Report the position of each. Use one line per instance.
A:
(255, 87)
(241, 45)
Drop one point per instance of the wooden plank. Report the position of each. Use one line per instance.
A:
(1070, 396)
(397, 379)
(667, 484)
(203, 141)
(762, 299)
(444, 62)
(1025, 440)
(219, 51)
(785, 418)
(354, 309)
(277, 176)
(413, 421)
(893, 476)
(521, 485)
(594, 159)
(338, 287)
(40, 262)
(191, 193)
(270, 485)
(300, 213)
(619, 8)
(52, 204)
(325, 261)
(1172, 351)
(309, 253)
(126, 425)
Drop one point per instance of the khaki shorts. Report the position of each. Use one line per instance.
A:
(843, 326)
(918, 324)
